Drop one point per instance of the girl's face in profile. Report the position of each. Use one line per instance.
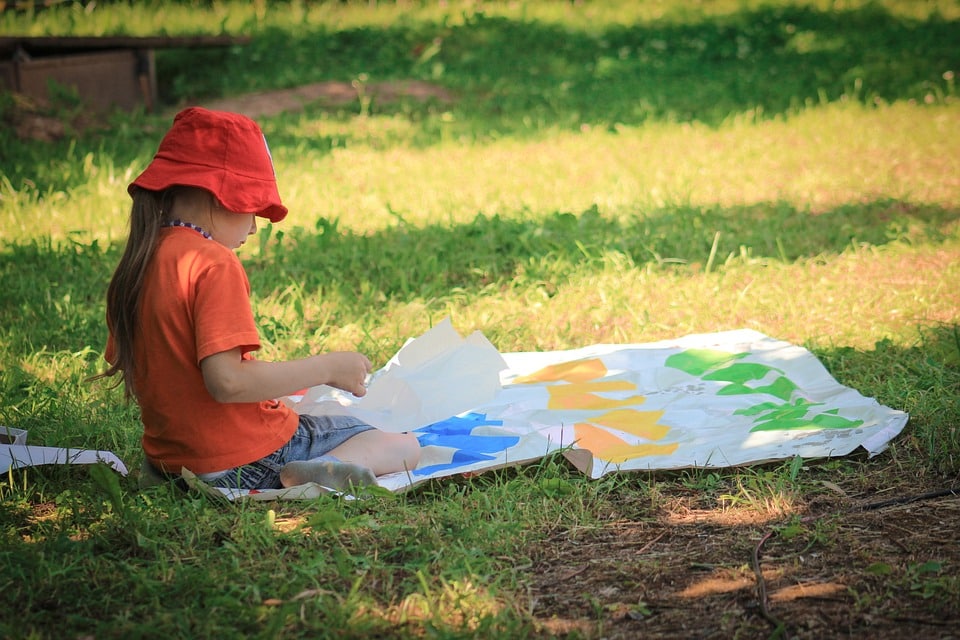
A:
(231, 229)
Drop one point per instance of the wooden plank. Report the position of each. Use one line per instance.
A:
(77, 44)
(102, 79)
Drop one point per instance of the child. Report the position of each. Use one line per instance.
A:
(181, 329)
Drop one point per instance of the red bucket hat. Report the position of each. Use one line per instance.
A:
(224, 153)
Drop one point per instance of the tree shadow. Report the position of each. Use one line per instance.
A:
(517, 75)
(403, 261)
(58, 289)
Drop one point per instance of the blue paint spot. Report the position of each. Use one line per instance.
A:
(457, 433)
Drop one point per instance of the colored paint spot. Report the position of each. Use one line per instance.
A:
(461, 458)
(780, 388)
(774, 411)
(457, 433)
(600, 386)
(595, 439)
(740, 372)
(625, 452)
(697, 362)
(793, 416)
(609, 447)
(819, 421)
(589, 401)
(583, 396)
(576, 371)
(642, 424)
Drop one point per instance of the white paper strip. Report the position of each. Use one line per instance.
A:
(18, 456)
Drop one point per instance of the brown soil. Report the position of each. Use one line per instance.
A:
(883, 562)
(329, 94)
(34, 119)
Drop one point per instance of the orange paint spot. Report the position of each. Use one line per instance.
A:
(606, 446)
(595, 439)
(576, 371)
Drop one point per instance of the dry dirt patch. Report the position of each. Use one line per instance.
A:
(34, 119)
(329, 94)
(689, 572)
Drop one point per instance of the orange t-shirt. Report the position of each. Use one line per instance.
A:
(195, 303)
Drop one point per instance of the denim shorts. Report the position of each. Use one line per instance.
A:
(314, 437)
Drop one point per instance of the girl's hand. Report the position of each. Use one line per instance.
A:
(347, 370)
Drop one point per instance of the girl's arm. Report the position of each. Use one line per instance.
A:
(230, 378)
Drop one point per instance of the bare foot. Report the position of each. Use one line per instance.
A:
(332, 474)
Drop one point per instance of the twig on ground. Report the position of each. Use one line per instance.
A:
(761, 583)
(908, 499)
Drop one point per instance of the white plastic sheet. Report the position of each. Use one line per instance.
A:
(435, 376)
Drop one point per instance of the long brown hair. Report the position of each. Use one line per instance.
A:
(149, 212)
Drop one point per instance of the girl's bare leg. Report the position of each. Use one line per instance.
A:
(356, 462)
(380, 451)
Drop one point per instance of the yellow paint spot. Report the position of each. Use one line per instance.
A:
(591, 401)
(642, 424)
(592, 387)
(576, 371)
(616, 455)
(583, 396)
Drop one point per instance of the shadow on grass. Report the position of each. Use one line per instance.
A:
(516, 74)
(53, 293)
(401, 262)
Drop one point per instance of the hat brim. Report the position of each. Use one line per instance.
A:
(241, 194)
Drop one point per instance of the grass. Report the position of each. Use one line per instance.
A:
(609, 172)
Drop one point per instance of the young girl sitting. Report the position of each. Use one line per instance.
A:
(182, 331)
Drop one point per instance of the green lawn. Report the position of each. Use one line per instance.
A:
(607, 172)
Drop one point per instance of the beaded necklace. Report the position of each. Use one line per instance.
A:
(189, 225)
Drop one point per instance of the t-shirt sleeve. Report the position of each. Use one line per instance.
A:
(223, 318)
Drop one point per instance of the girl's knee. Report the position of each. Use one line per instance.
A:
(404, 448)
(383, 452)
(411, 449)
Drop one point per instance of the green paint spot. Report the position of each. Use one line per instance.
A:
(795, 424)
(828, 421)
(721, 366)
(696, 362)
(791, 417)
(734, 389)
(755, 409)
(739, 372)
(785, 413)
(781, 388)
(817, 422)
